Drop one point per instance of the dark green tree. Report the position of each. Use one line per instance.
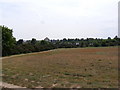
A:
(20, 41)
(8, 41)
(33, 41)
(43, 42)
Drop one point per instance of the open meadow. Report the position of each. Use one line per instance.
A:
(62, 68)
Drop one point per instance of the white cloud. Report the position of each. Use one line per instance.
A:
(60, 18)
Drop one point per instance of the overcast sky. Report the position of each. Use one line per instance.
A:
(58, 19)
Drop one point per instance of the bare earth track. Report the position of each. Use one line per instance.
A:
(6, 85)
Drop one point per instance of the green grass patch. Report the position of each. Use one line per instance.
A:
(76, 67)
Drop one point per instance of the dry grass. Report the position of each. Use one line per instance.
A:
(86, 67)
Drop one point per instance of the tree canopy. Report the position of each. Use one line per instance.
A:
(10, 46)
(8, 41)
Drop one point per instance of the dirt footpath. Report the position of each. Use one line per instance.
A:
(15, 87)
(6, 85)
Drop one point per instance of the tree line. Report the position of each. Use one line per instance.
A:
(11, 46)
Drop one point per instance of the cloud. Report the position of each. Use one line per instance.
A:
(60, 18)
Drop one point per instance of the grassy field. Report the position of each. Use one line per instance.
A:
(77, 67)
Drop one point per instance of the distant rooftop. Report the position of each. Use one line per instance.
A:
(47, 39)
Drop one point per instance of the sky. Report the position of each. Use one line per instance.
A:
(58, 19)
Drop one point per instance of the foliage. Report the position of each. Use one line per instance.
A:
(11, 46)
(8, 41)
